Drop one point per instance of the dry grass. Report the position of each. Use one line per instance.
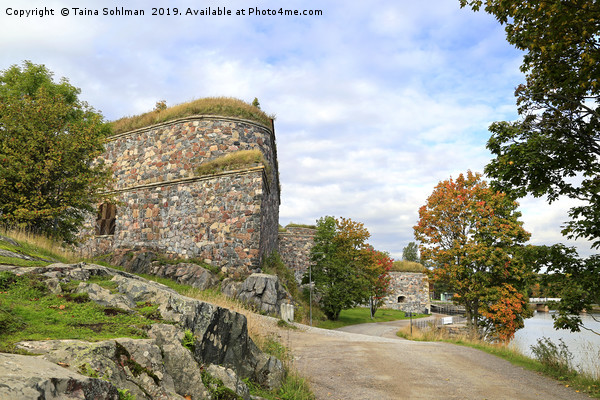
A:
(41, 245)
(438, 334)
(238, 160)
(222, 106)
(408, 266)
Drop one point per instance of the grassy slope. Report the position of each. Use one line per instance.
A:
(28, 311)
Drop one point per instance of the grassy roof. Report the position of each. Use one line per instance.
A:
(222, 106)
(408, 266)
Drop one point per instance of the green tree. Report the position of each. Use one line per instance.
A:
(340, 256)
(411, 252)
(48, 140)
(553, 150)
(379, 271)
(572, 279)
(473, 236)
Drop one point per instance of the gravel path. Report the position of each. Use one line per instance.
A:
(369, 362)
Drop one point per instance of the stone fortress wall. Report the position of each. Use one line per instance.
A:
(229, 218)
(294, 247)
(409, 292)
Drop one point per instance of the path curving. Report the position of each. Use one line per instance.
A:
(368, 362)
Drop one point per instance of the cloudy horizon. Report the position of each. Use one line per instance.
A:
(374, 103)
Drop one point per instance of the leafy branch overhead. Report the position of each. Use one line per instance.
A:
(553, 150)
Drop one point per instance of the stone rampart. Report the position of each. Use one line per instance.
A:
(172, 150)
(294, 248)
(229, 219)
(409, 292)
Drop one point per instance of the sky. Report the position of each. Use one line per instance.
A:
(375, 102)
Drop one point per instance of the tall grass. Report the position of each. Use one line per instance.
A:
(221, 106)
(38, 246)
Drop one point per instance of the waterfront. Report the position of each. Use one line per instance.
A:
(584, 345)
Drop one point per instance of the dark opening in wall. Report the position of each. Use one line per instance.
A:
(105, 223)
(401, 299)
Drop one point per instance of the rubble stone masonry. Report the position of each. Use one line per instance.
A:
(230, 218)
(294, 248)
(409, 292)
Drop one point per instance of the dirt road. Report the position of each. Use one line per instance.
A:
(356, 366)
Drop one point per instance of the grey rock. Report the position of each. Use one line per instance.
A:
(132, 364)
(104, 297)
(179, 361)
(168, 370)
(230, 380)
(231, 288)
(9, 241)
(27, 377)
(265, 292)
(270, 371)
(53, 285)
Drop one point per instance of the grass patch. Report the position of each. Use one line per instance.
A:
(232, 161)
(362, 315)
(408, 266)
(274, 265)
(552, 360)
(35, 245)
(28, 311)
(19, 262)
(294, 387)
(221, 106)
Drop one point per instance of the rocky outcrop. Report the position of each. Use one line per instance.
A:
(158, 367)
(265, 292)
(144, 262)
(26, 377)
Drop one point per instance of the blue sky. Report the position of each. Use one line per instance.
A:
(375, 102)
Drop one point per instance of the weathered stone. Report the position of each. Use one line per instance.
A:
(135, 365)
(9, 241)
(231, 288)
(150, 367)
(409, 292)
(27, 377)
(179, 361)
(269, 372)
(104, 297)
(230, 380)
(164, 205)
(53, 285)
(265, 292)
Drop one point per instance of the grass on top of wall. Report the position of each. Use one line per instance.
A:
(222, 106)
(232, 161)
(408, 266)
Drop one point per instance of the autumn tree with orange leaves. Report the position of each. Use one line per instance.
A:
(474, 239)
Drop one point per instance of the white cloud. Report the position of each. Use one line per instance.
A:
(375, 101)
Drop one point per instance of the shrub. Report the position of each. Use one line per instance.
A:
(557, 359)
